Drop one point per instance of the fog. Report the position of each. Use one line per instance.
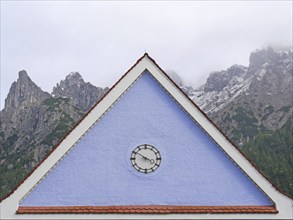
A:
(102, 40)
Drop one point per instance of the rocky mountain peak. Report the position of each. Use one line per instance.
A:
(273, 79)
(81, 94)
(23, 75)
(269, 55)
(24, 92)
(259, 57)
(73, 78)
(236, 70)
(218, 80)
(267, 78)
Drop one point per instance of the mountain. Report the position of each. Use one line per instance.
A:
(260, 119)
(268, 75)
(221, 88)
(252, 105)
(258, 96)
(33, 121)
(23, 94)
(81, 95)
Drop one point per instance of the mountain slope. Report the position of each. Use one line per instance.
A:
(23, 94)
(272, 152)
(266, 104)
(253, 106)
(82, 95)
(221, 88)
(32, 122)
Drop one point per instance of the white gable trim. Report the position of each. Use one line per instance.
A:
(9, 205)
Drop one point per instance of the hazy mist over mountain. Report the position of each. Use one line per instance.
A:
(101, 40)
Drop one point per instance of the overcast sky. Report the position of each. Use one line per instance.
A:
(102, 40)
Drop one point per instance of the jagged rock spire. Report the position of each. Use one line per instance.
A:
(24, 92)
(81, 94)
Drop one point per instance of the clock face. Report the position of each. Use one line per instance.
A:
(145, 158)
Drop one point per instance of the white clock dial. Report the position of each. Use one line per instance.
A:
(145, 158)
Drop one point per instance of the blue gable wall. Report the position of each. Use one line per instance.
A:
(98, 171)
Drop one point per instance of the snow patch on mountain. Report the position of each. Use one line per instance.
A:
(221, 88)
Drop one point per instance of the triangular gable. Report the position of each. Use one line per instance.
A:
(154, 73)
(193, 169)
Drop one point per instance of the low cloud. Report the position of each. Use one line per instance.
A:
(101, 40)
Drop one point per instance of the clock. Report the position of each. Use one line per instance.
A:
(145, 158)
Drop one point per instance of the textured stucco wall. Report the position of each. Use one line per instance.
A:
(194, 171)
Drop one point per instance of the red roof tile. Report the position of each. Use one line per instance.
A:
(151, 209)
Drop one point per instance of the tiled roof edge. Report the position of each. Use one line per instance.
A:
(149, 209)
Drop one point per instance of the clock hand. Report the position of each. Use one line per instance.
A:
(144, 157)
